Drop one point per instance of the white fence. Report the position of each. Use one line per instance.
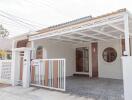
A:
(49, 73)
(5, 71)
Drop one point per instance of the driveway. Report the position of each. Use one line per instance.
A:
(19, 93)
(96, 88)
(78, 88)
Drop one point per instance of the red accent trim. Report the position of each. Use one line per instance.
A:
(94, 47)
(46, 73)
(55, 64)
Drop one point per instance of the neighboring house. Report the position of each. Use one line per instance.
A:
(92, 46)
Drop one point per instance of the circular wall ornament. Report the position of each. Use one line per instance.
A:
(109, 54)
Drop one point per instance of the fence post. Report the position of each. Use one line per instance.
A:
(0, 69)
(64, 74)
(26, 69)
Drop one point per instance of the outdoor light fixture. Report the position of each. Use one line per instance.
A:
(3, 32)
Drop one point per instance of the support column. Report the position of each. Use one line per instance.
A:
(14, 74)
(127, 62)
(127, 78)
(13, 44)
(26, 69)
(33, 51)
(127, 35)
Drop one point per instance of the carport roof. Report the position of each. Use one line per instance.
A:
(88, 29)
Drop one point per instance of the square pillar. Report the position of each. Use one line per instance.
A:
(127, 35)
(127, 77)
(14, 68)
(33, 56)
(26, 69)
(127, 62)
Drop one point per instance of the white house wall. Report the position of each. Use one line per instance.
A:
(113, 69)
(67, 50)
(59, 50)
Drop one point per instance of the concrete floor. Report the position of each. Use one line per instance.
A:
(99, 89)
(78, 88)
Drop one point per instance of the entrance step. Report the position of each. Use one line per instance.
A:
(82, 75)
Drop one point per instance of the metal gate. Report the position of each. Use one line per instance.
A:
(5, 71)
(49, 73)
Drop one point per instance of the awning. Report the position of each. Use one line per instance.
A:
(115, 25)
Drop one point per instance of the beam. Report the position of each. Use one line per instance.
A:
(72, 37)
(117, 28)
(127, 35)
(68, 40)
(91, 36)
(97, 31)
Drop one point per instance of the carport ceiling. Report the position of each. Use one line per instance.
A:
(106, 32)
(106, 28)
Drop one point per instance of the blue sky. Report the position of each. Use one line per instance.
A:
(43, 13)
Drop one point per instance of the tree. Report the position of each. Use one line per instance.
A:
(3, 32)
(3, 54)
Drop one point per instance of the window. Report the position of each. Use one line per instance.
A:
(109, 54)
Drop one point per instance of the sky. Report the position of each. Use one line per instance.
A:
(24, 16)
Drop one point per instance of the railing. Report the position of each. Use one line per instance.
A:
(49, 73)
(5, 71)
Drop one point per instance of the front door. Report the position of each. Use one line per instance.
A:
(82, 59)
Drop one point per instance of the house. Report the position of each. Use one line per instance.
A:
(91, 46)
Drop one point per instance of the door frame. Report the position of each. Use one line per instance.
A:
(84, 73)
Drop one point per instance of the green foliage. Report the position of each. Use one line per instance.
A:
(3, 31)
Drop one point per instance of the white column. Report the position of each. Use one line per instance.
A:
(33, 51)
(0, 69)
(127, 35)
(127, 77)
(44, 53)
(127, 62)
(14, 68)
(13, 44)
(26, 69)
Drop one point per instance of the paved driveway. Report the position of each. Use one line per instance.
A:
(96, 88)
(18, 93)
(77, 89)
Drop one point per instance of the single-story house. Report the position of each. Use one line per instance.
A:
(90, 46)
